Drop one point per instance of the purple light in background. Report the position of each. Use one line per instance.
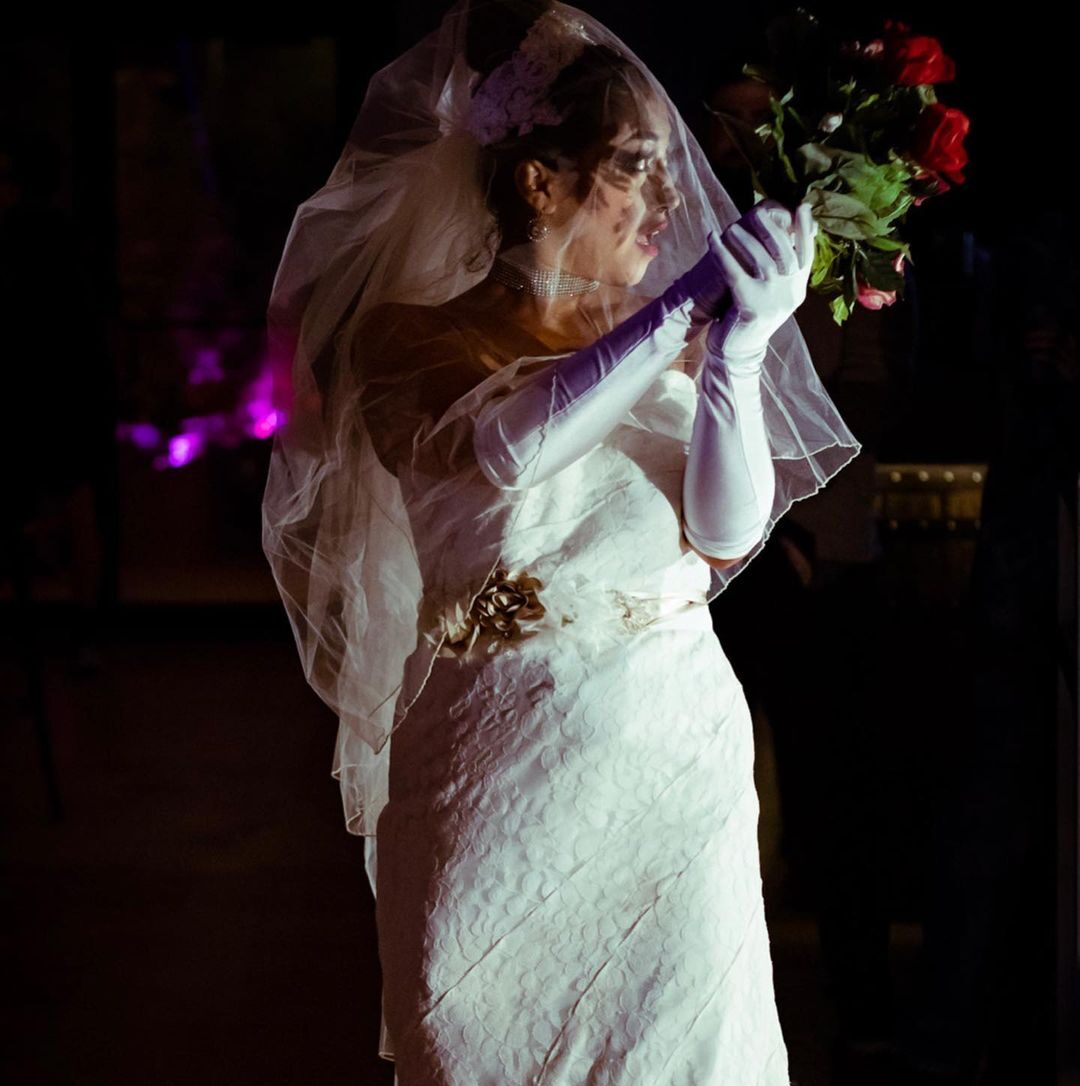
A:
(183, 448)
(265, 426)
(258, 412)
(206, 367)
(264, 417)
(143, 435)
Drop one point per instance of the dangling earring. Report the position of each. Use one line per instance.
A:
(538, 228)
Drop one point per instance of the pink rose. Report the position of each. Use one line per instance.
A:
(871, 298)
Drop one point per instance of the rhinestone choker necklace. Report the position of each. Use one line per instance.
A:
(539, 281)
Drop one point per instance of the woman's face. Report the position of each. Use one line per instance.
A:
(609, 234)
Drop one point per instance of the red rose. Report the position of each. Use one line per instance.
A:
(911, 59)
(938, 141)
(871, 298)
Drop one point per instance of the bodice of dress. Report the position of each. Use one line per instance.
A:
(595, 552)
(594, 555)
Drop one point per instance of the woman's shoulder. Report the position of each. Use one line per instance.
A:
(453, 329)
(405, 317)
(389, 332)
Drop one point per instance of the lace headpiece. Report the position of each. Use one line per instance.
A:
(513, 95)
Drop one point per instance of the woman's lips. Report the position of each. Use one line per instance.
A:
(643, 238)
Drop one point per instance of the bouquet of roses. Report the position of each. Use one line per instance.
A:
(860, 135)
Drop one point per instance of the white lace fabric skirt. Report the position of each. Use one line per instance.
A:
(568, 877)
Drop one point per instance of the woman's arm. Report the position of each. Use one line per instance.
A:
(415, 363)
(538, 430)
(729, 484)
(716, 563)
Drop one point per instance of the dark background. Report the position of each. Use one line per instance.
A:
(182, 901)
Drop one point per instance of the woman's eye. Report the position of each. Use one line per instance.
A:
(636, 163)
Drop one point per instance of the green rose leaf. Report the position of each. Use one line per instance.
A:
(844, 216)
(816, 160)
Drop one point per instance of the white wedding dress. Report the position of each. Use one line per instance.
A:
(568, 877)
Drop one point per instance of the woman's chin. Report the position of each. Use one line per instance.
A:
(638, 273)
(625, 275)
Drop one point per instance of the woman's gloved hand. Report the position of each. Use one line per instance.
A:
(766, 259)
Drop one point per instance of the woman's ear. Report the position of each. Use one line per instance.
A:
(537, 183)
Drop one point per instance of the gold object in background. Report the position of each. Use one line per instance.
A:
(930, 497)
(929, 516)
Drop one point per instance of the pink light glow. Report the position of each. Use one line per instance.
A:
(264, 417)
(260, 411)
(265, 426)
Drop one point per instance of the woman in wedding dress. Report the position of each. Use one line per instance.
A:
(548, 398)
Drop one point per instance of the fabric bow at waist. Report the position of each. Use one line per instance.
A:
(514, 606)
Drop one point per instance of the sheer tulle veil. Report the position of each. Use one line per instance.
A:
(404, 219)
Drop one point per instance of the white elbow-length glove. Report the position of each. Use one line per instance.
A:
(530, 434)
(729, 484)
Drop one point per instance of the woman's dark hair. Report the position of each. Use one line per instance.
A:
(595, 95)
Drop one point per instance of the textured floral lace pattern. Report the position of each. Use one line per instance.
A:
(569, 888)
(569, 882)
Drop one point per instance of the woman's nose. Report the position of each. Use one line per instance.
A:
(665, 194)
